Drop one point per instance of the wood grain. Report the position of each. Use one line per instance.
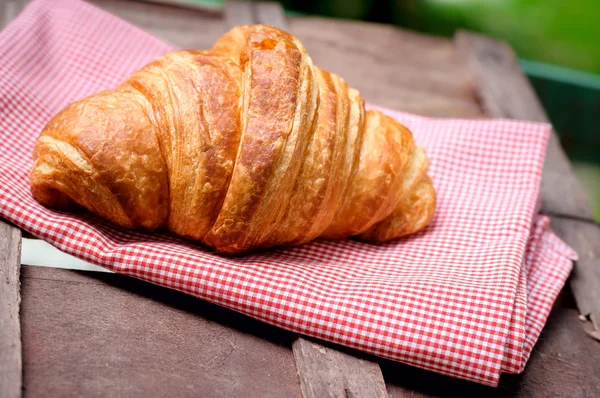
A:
(325, 372)
(97, 334)
(270, 13)
(584, 238)
(239, 13)
(391, 67)
(10, 300)
(9, 9)
(254, 12)
(184, 28)
(505, 92)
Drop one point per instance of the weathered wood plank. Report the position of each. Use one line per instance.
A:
(10, 300)
(90, 334)
(239, 13)
(270, 13)
(325, 372)
(505, 92)
(184, 28)
(391, 67)
(561, 191)
(9, 9)
(503, 89)
(584, 238)
(200, 5)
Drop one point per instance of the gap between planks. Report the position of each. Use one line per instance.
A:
(11, 363)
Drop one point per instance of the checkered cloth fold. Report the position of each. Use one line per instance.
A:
(466, 297)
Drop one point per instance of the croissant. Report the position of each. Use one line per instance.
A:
(242, 146)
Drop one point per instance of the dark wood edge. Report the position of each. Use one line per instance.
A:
(270, 13)
(11, 362)
(505, 92)
(254, 12)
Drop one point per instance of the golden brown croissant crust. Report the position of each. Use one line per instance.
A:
(242, 146)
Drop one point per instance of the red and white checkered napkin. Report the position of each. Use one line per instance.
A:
(466, 297)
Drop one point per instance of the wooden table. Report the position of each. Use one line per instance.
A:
(94, 334)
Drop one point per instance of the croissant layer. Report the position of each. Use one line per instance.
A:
(245, 145)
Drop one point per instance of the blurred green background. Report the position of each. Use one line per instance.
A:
(557, 41)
